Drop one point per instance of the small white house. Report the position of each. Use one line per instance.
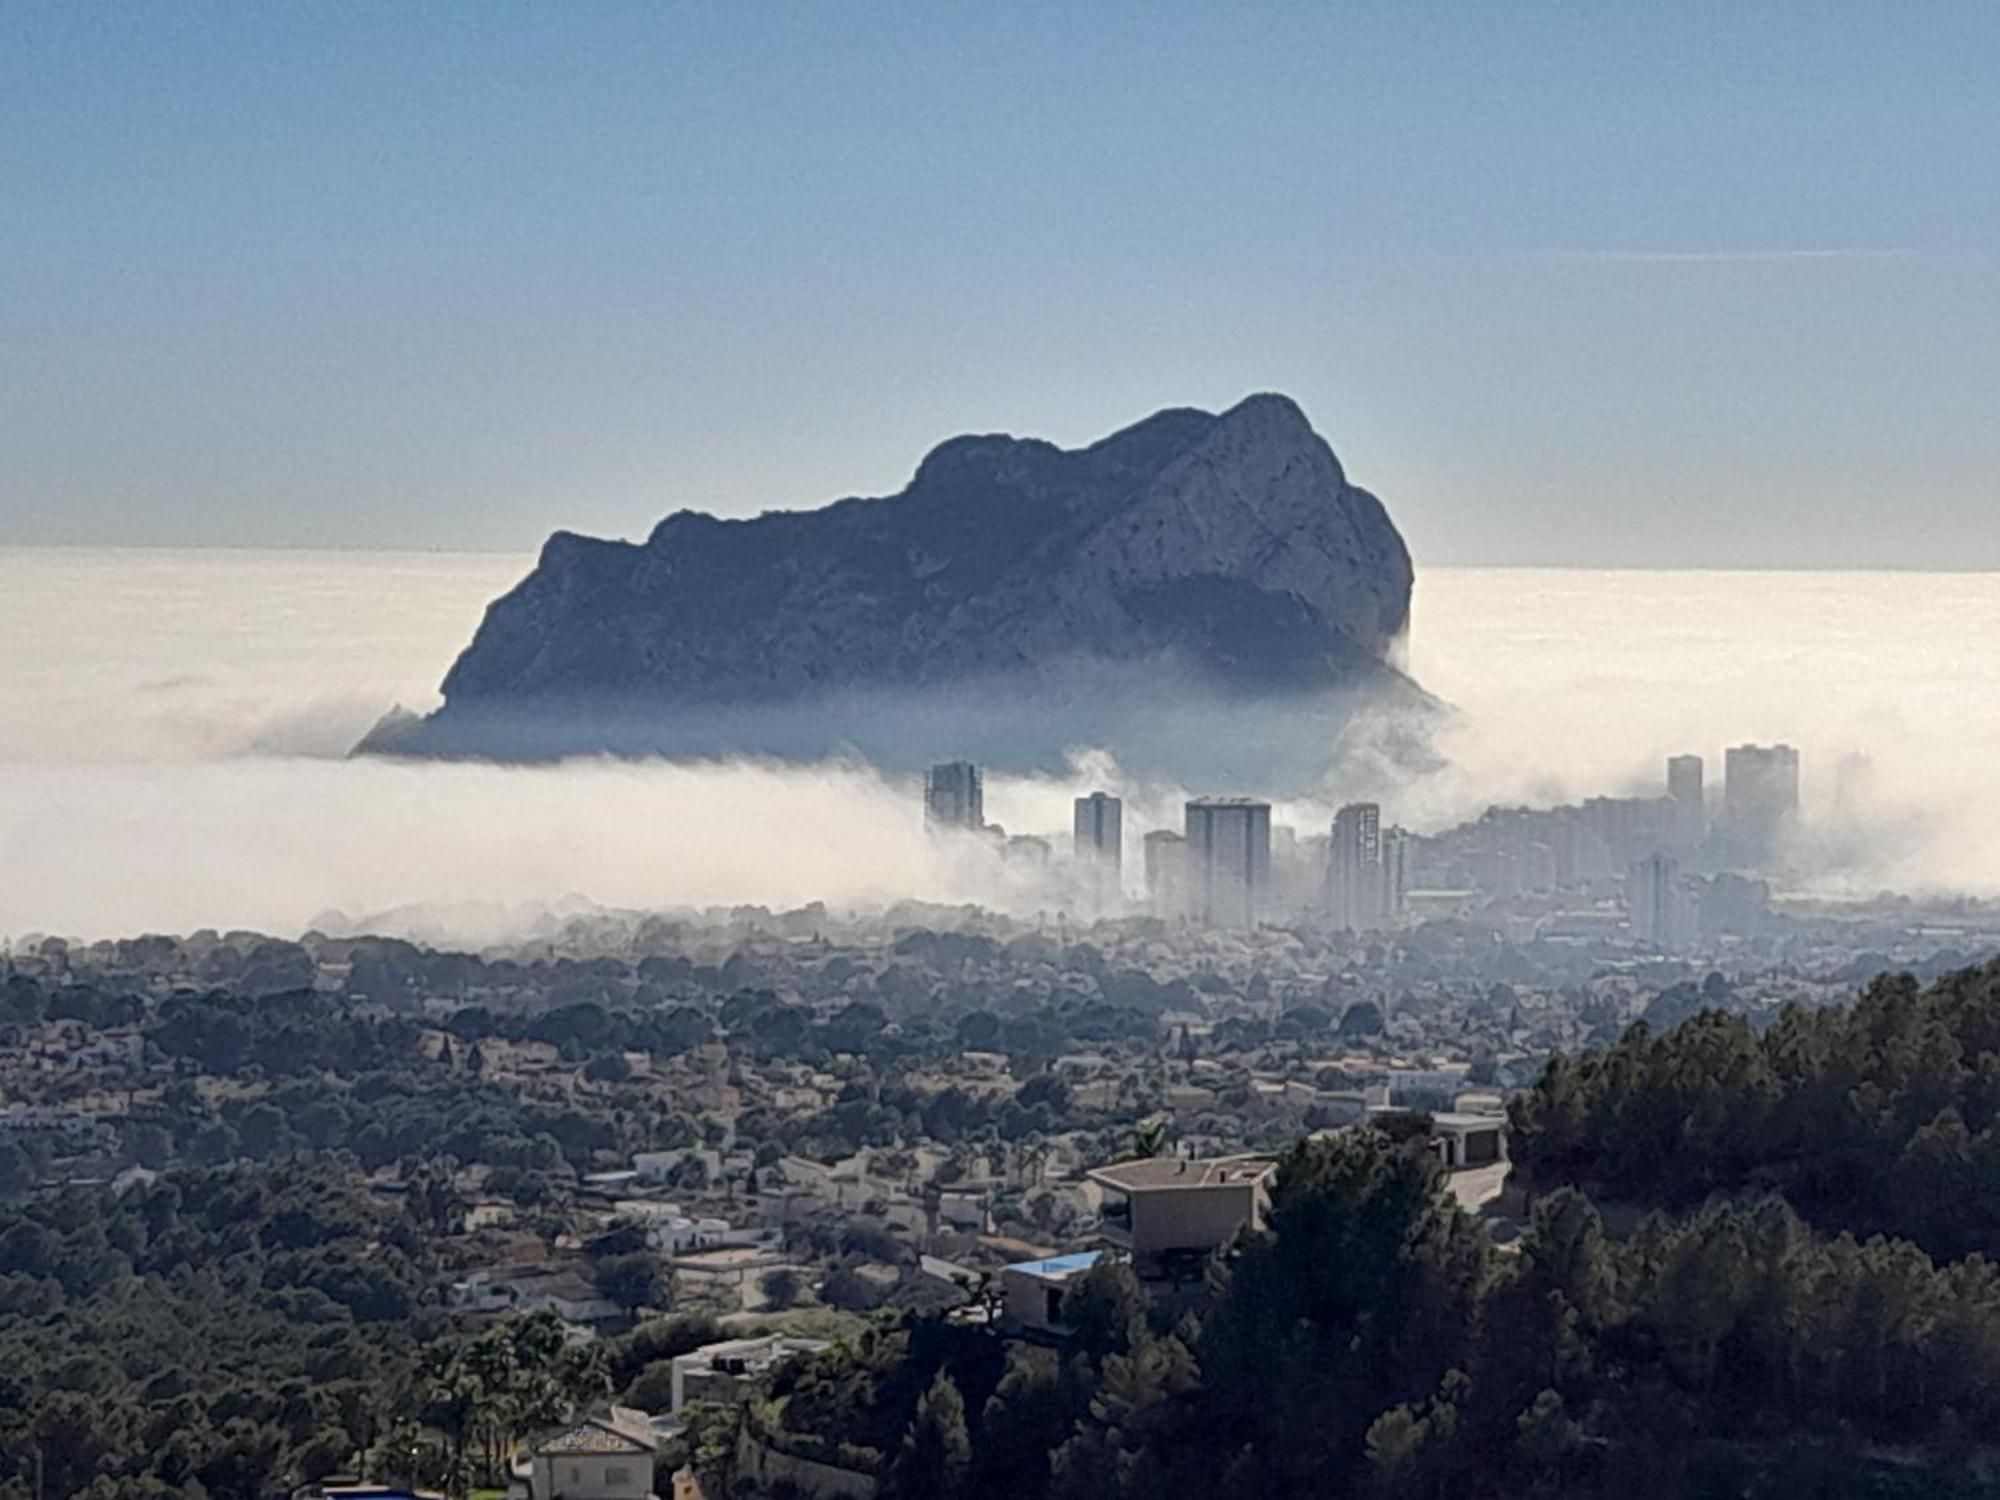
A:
(602, 1458)
(1033, 1291)
(673, 1232)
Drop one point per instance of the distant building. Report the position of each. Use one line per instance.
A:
(1760, 792)
(1395, 873)
(954, 797)
(1629, 828)
(1100, 829)
(1100, 844)
(1032, 1292)
(1166, 873)
(1686, 791)
(1228, 860)
(603, 1458)
(1166, 1207)
(1468, 1140)
(673, 1232)
(1661, 911)
(1354, 868)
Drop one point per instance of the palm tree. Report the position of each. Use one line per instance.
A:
(1149, 1138)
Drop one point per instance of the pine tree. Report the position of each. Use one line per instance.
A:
(937, 1450)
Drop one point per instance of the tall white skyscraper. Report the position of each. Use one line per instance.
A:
(1228, 860)
(1685, 790)
(954, 797)
(1354, 892)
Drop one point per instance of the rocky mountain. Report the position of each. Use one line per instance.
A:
(1014, 600)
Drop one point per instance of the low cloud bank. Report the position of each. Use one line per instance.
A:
(168, 763)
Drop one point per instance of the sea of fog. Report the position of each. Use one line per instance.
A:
(173, 726)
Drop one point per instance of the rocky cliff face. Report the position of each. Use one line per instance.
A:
(1191, 555)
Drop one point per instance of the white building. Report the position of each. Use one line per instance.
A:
(602, 1458)
(673, 1232)
(1228, 860)
(1032, 1292)
(1167, 1207)
(1354, 885)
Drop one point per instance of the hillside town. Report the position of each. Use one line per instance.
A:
(703, 1149)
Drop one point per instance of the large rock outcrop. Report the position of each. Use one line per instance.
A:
(1014, 601)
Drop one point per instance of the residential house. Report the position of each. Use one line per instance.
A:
(600, 1458)
(1033, 1292)
(1469, 1140)
(1167, 1208)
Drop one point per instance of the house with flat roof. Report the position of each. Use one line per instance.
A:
(1167, 1207)
(1032, 1292)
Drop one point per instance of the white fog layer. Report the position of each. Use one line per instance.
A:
(174, 724)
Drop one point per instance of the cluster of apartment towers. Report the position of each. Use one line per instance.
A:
(1219, 869)
(1229, 867)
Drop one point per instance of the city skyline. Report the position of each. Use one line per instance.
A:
(1662, 871)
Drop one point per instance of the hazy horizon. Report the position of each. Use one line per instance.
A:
(526, 558)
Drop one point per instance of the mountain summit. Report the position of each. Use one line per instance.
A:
(1015, 600)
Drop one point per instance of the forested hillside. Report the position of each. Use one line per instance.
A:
(1877, 1118)
(1804, 1312)
(1371, 1342)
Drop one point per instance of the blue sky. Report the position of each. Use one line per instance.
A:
(1657, 285)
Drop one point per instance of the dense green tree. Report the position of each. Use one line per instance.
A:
(936, 1453)
(633, 1281)
(1878, 1118)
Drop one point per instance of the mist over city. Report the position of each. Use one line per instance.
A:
(1030, 753)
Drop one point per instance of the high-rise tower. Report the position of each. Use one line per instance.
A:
(1228, 860)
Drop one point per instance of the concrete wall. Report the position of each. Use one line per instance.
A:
(1473, 1146)
(593, 1477)
(1027, 1300)
(766, 1467)
(1196, 1218)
